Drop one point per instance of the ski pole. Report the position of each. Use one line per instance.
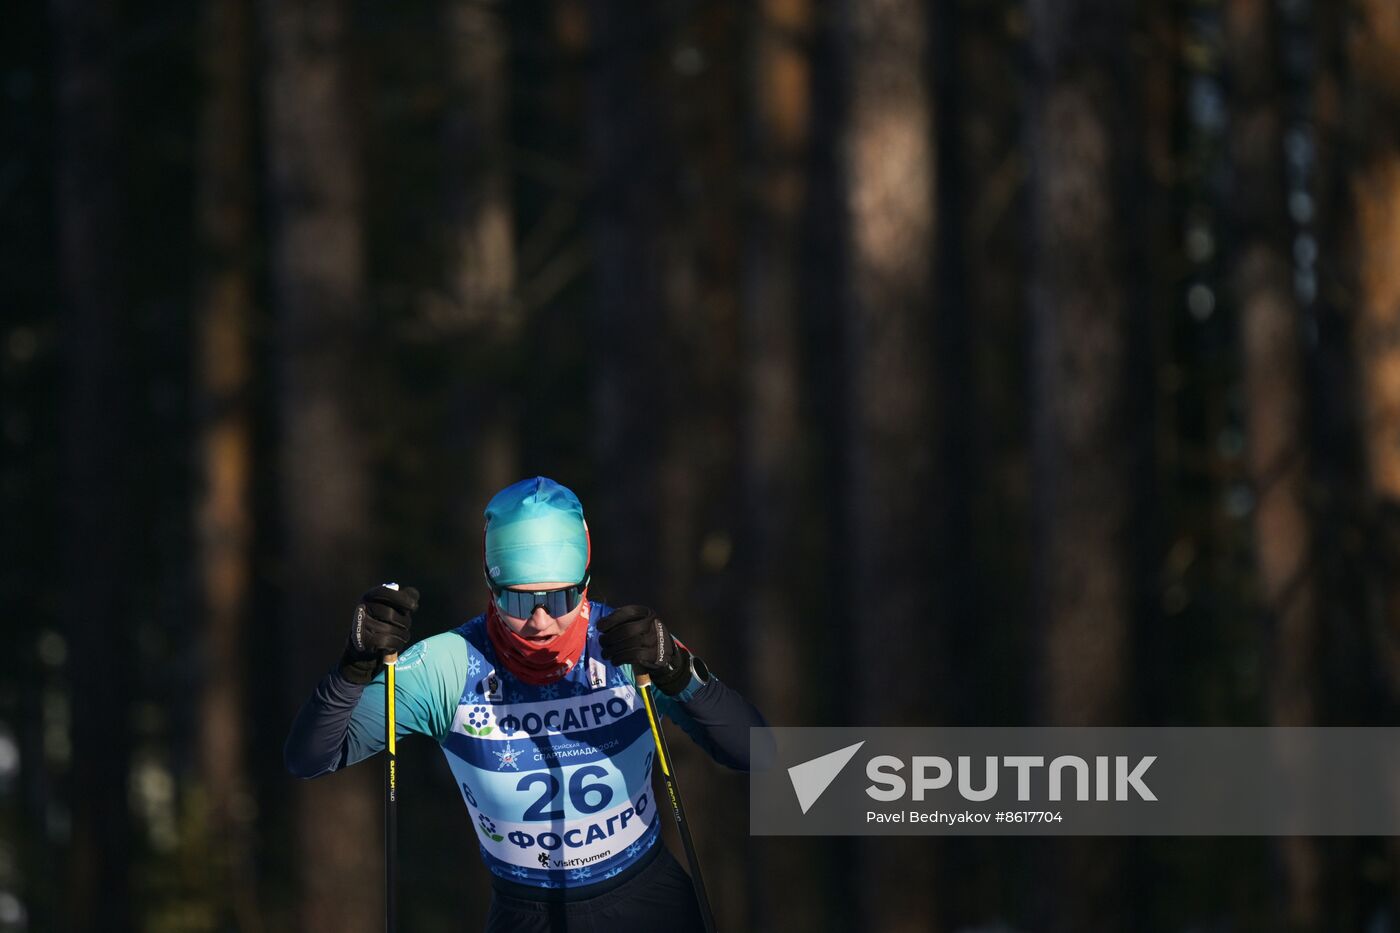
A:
(663, 755)
(391, 797)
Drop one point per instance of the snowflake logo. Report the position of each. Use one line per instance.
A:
(509, 757)
(519, 872)
(634, 849)
(579, 688)
(473, 666)
(471, 696)
(619, 679)
(550, 692)
(488, 827)
(478, 721)
(514, 696)
(578, 874)
(612, 873)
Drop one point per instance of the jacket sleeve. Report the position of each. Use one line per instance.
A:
(715, 716)
(343, 723)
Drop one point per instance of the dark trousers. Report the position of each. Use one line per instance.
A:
(658, 899)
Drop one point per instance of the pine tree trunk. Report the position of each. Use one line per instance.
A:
(481, 226)
(779, 34)
(1373, 46)
(982, 384)
(889, 161)
(890, 166)
(1275, 403)
(97, 460)
(774, 479)
(1080, 128)
(1078, 344)
(318, 291)
(772, 450)
(627, 374)
(699, 493)
(481, 312)
(223, 527)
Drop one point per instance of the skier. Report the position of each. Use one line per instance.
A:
(535, 706)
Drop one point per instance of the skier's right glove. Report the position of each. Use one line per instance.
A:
(380, 626)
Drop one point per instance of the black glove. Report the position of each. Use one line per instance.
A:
(634, 635)
(380, 627)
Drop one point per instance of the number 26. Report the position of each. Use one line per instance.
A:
(581, 794)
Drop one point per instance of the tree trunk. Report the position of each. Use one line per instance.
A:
(481, 313)
(223, 369)
(890, 166)
(779, 33)
(318, 290)
(1373, 44)
(481, 226)
(771, 443)
(97, 462)
(981, 382)
(1270, 321)
(631, 171)
(1079, 325)
(699, 492)
(1080, 128)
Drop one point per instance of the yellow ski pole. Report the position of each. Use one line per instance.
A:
(663, 756)
(391, 797)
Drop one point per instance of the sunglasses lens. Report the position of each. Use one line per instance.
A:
(521, 605)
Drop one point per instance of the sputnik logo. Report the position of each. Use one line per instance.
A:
(811, 778)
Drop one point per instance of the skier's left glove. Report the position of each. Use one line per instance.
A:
(634, 635)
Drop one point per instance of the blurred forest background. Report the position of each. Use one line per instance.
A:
(973, 362)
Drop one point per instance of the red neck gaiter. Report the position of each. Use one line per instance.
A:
(538, 662)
